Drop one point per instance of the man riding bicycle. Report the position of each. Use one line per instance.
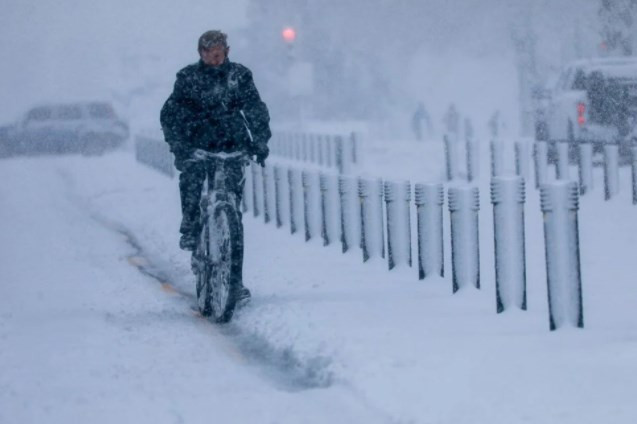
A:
(216, 107)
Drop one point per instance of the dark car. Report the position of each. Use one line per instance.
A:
(87, 128)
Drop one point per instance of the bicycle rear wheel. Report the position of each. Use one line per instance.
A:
(217, 281)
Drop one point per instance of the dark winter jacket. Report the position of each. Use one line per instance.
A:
(204, 110)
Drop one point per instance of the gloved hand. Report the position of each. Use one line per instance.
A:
(261, 151)
(182, 155)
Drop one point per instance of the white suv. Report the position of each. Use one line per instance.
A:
(590, 101)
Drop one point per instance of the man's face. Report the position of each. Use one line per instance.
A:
(213, 56)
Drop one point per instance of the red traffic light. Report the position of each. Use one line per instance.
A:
(288, 34)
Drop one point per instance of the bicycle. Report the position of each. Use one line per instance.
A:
(217, 259)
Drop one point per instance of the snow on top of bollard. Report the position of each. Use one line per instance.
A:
(559, 194)
(464, 197)
(509, 187)
(429, 193)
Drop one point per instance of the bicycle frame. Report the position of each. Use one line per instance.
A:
(217, 192)
(216, 202)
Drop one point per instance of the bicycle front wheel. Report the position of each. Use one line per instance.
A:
(219, 281)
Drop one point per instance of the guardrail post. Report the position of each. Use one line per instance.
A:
(522, 159)
(464, 203)
(312, 148)
(293, 187)
(247, 190)
(289, 146)
(392, 223)
(560, 202)
(561, 166)
(278, 195)
(329, 150)
(255, 190)
(354, 138)
(372, 232)
(340, 154)
(507, 197)
(305, 180)
(363, 195)
(265, 172)
(407, 206)
(325, 209)
(350, 214)
(497, 158)
(450, 157)
(541, 158)
(473, 159)
(319, 142)
(611, 170)
(585, 170)
(633, 163)
(429, 199)
(304, 143)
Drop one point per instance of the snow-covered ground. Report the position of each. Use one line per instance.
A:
(86, 336)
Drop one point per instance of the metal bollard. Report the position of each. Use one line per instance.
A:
(450, 157)
(611, 170)
(407, 214)
(305, 181)
(561, 166)
(429, 199)
(247, 192)
(372, 233)
(265, 172)
(354, 137)
(541, 157)
(397, 200)
(350, 216)
(312, 148)
(522, 159)
(464, 203)
(304, 143)
(293, 184)
(497, 158)
(319, 142)
(323, 186)
(633, 166)
(560, 202)
(379, 214)
(363, 195)
(585, 171)
(473, 160)
(255, 189)
(340, 157)
(278, 196)
(507, 197)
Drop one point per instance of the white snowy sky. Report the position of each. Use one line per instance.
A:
(68, 49)
(71, 49)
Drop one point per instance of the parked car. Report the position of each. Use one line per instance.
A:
(88, 128)
(590, 101)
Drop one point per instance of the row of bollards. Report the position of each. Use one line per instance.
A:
(332, 151)
(562, 154)
(375, 216)
(583, 152)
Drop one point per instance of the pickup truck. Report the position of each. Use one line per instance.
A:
(590, 101)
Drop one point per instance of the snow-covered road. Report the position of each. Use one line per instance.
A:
(85, 336)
